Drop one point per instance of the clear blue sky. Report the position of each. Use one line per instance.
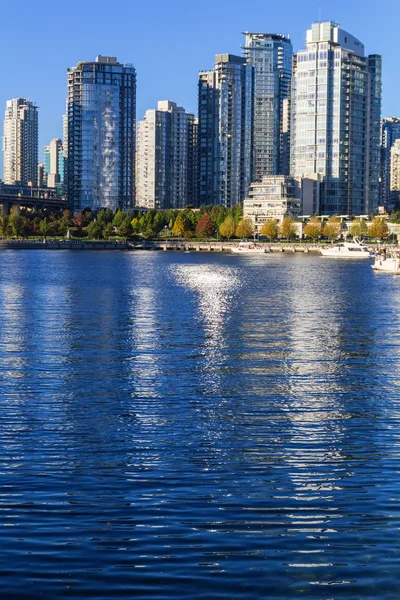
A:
(168, 43)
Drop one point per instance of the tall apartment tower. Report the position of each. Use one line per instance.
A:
(394, 195)
(226, 131)
(101, 135)
(21, 142)
(164, 158)
(336, 105)
(271, 56)
(54, 162)
(390, 132)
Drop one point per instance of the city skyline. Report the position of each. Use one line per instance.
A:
(169, 67)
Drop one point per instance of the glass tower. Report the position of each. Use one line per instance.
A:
(21, 142)
(390, 132)
(336, 105)
(225, 131)
(101, 138)
(271, 56)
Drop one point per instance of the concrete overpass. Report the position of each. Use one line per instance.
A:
(31, 202)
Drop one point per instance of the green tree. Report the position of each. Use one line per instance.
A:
(118, 217)
(125, 228)
(313, 229)
(205, 227)
(227, 227)
(244, 228)
(270, 229)
(94, 230)
(358, 228)
(287, 228)
(44, 227)
(332, 228)
(104, 216)
(3, 225)
(16, 220)
(378, 228)
(108, 231)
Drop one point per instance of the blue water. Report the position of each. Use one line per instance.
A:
(198, 426)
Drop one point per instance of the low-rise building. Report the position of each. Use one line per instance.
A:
(274, 197)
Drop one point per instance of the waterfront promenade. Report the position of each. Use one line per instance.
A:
(163, 245)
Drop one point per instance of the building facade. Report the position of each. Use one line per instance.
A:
(165, 158)
(336, 104)
(54, 163)
(390, 132)
(271, 57)
(225, 131)
(21, 142)
(394, 196)
(274, 197)
(101, 135)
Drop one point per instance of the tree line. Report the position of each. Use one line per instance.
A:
(207, 222)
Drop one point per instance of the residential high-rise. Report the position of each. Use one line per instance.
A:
(336, 104)
(54, 162)
(271, 56)
(101, 136)
(164, 157)
(394, 196)
(390, 132)
(21, 142)
(225, 131)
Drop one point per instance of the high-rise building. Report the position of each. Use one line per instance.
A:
(336, 104)
(21, 142)
(394, 196)
(164, 157)
(271, 56)
(54, 162)
(390, 132)
(225, 131)
(101, 136)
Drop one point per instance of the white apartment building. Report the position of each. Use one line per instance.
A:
(274, 197)
(336, 110)
(20, 142)
(165, 158)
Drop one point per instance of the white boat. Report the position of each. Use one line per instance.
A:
(246, 247)
(354, 249)
(388, 264)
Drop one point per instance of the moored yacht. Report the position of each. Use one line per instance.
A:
(354, 249)
(246, 247)
(388, 264)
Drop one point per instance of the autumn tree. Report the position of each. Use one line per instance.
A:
(313, 229)
(287, 228)
(378, 228)
(332, 228)
(180, 226)
(227, 227)
(358, 228)
(270, 229)
(205, 227)
(244, 228)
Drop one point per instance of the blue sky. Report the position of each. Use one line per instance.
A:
(168, 42)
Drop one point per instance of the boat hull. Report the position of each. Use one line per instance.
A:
(388, 265)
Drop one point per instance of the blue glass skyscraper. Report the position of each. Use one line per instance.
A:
(101, 137)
